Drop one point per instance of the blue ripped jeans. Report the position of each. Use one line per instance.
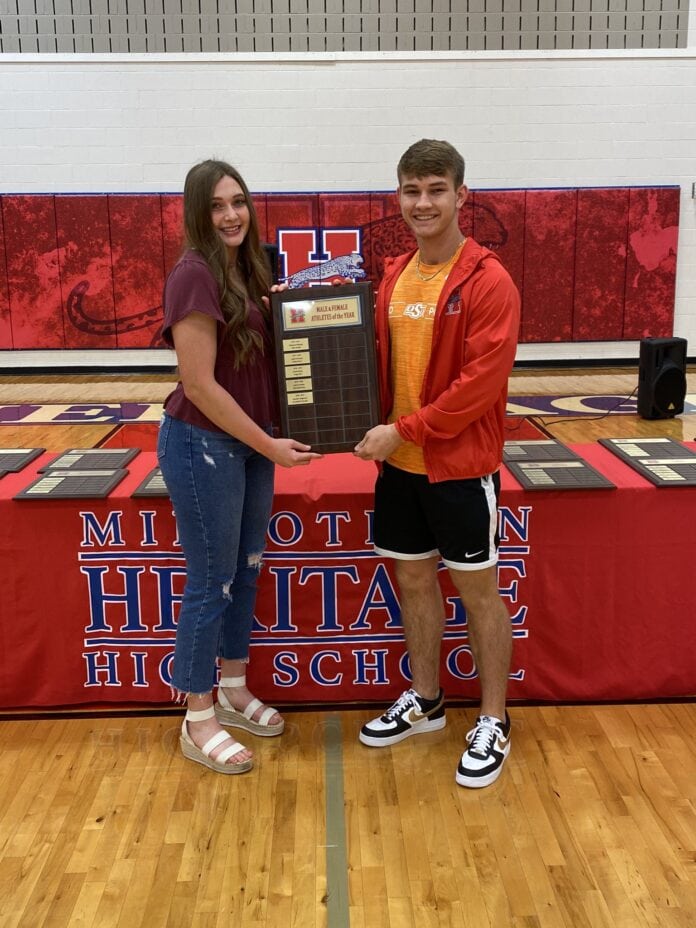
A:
(222, 491)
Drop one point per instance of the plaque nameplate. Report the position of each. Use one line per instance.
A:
(295, 357)
(73, 483)
(152, 485)
(296, 344)
(298, 370)
(302, 385)
(14, 459)
(663, 461)
(91, 459)
(327, 369)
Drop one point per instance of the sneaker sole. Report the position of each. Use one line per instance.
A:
(377, 741)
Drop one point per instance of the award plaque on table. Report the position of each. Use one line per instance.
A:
(327, 368)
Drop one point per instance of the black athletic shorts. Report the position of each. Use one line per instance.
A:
(457, 519)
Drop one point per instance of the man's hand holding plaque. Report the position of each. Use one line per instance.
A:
(378, 443)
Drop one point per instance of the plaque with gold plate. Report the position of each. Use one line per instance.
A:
(327, 369)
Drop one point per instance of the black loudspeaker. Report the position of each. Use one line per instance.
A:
(661, 377)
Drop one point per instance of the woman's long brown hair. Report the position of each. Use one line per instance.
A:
(252, 263)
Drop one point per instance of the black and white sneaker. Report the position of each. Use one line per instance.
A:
(410, 715)
(489, 745)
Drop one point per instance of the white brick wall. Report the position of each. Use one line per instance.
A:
(340, 122)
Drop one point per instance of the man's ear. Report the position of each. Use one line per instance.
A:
(462, 196)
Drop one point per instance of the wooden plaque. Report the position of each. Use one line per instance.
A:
(327, 368)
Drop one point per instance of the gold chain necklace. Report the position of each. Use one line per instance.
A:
(426, 277)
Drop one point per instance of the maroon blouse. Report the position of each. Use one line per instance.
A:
(191, 287)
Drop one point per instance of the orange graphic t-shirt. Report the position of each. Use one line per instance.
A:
(411, 318)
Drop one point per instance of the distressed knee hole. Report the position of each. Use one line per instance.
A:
(255, 560)
(227, 589)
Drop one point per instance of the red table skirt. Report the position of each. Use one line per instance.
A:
(598, 584)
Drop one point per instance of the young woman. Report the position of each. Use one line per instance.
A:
(217, 453)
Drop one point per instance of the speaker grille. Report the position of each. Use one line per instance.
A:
(670, 390)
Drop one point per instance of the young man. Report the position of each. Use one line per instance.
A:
(447, 318)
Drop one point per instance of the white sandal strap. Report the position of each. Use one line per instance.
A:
(252, 707)
(266, 715)
(226, 753)
(213, 742)
(232, 681)
(200, 715)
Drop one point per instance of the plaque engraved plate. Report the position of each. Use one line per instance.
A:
(296, 344)
(73, 483)
(300, 399)
(91, 459)
(152, 485)
(298, 370)
(299, 385)
(663, 461)
(295, 357)
(327, 369)
(14, 459)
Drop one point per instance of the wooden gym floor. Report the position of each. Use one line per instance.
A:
(591, 825)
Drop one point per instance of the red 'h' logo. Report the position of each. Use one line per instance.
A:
(302, 248)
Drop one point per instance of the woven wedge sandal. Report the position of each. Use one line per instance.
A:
(202, 755)
(236, 718)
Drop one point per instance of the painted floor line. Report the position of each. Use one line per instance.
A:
(338, 915)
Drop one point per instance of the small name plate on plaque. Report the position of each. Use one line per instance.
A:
(327, 369)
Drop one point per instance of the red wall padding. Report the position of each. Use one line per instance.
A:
(651, 262)
(86, 271)
(33, 276)
(600, 264)
(549, 266)
(5, 324)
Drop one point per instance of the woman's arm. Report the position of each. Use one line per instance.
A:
(195, 342)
